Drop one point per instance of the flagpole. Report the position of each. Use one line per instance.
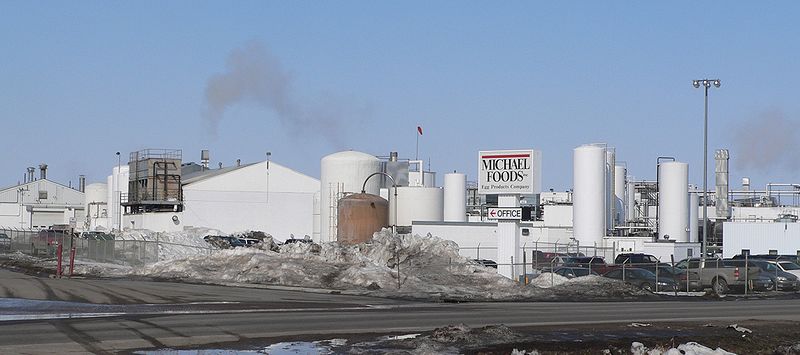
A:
(416, 157)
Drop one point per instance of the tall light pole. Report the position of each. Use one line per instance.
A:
(706, 83)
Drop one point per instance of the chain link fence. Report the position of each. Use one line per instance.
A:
(95, 247)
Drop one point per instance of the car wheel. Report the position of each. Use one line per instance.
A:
(720, 286)
(647, 287)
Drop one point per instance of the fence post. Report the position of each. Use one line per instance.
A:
(656, 265)
(623, 269)
(58, 265)
(747, 275)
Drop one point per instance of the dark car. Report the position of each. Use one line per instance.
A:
(573, 272)
(223, 241)
(642, 278)
(5, 242)
(636, 258)
(298, 240)
(684, 282)
(783, 280)
(486, 263)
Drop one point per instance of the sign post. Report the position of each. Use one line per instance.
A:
(508, 174)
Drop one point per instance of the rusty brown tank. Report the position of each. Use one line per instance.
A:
(360, 216)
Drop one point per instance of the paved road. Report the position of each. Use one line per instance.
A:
(277, 313)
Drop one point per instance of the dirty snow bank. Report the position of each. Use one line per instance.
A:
(430, 267)
(174, 245)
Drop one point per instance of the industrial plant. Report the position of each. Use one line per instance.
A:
(606, 212)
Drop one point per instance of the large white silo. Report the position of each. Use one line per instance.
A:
(694, 222)
(673, 201)
(620, 176)
(589, 193)
(417, 203)
(455, 197)
(343, 173)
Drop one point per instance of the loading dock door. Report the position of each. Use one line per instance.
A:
(44, 219)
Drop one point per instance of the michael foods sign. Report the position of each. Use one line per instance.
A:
(509, 172)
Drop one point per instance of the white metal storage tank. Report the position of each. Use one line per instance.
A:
(694, 223)
(455, 197)
(589, 194)
(620, 173)
(611, 210)
(417, 204)
(630, 209)
(341, 173)
(673, 201)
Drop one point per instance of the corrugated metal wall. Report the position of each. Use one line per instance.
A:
(760, 238)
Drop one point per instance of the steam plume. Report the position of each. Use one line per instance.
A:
(254, 75)
(768, 142)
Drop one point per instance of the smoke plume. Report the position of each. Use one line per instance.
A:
(768, 142)
(253, 75)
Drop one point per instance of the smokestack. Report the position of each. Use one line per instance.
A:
(82, 183)
(392, 156)
(31, 171)
(723, 207)
(42, 171)
(204, 158)
(746, 183)
(238, 162)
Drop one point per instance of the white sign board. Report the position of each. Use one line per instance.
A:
(509, 172)
(504, 213)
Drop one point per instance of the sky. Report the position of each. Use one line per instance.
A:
(80, 81)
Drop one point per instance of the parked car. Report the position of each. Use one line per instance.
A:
(573, 271)
(680, 276)
(47, 240)
(298, 240)
(594, 263)
(717, 275)
(788, 266)
(249, 242)
(786, 257)
(223, 241)
(642, 278)
(635, 259)
(486, 263)
(5, 242)
(783, 280)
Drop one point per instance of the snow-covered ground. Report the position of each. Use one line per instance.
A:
(174, 245)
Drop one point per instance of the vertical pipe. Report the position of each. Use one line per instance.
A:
(705, 175)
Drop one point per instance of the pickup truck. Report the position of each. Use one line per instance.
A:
(716, 274)
(47, 240)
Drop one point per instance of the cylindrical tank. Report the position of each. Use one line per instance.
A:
(416, 203)
(620, 173)
(343, 172)
(673, 201)
(630, 209)
(588, 196)
(694, 222)
(455, 197)
(611, 208)
(360, 216)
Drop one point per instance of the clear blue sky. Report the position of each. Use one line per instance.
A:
(82, 80)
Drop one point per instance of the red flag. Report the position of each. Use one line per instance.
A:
(419, 129)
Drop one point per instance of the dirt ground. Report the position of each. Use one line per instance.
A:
(765, 338)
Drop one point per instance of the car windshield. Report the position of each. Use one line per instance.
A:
(788, 265)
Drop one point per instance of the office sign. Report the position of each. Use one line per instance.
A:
(504, 213)
(509, 172)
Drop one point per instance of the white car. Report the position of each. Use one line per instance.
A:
(788, 266)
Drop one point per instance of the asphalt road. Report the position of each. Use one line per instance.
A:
(264, 313)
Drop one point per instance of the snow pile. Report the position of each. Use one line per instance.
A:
(690, 348)
(548, 279)
(428, 266)
(174, 245)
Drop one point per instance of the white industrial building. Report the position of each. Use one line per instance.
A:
(40, 203)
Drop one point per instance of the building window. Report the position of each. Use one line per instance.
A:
(42, 194)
